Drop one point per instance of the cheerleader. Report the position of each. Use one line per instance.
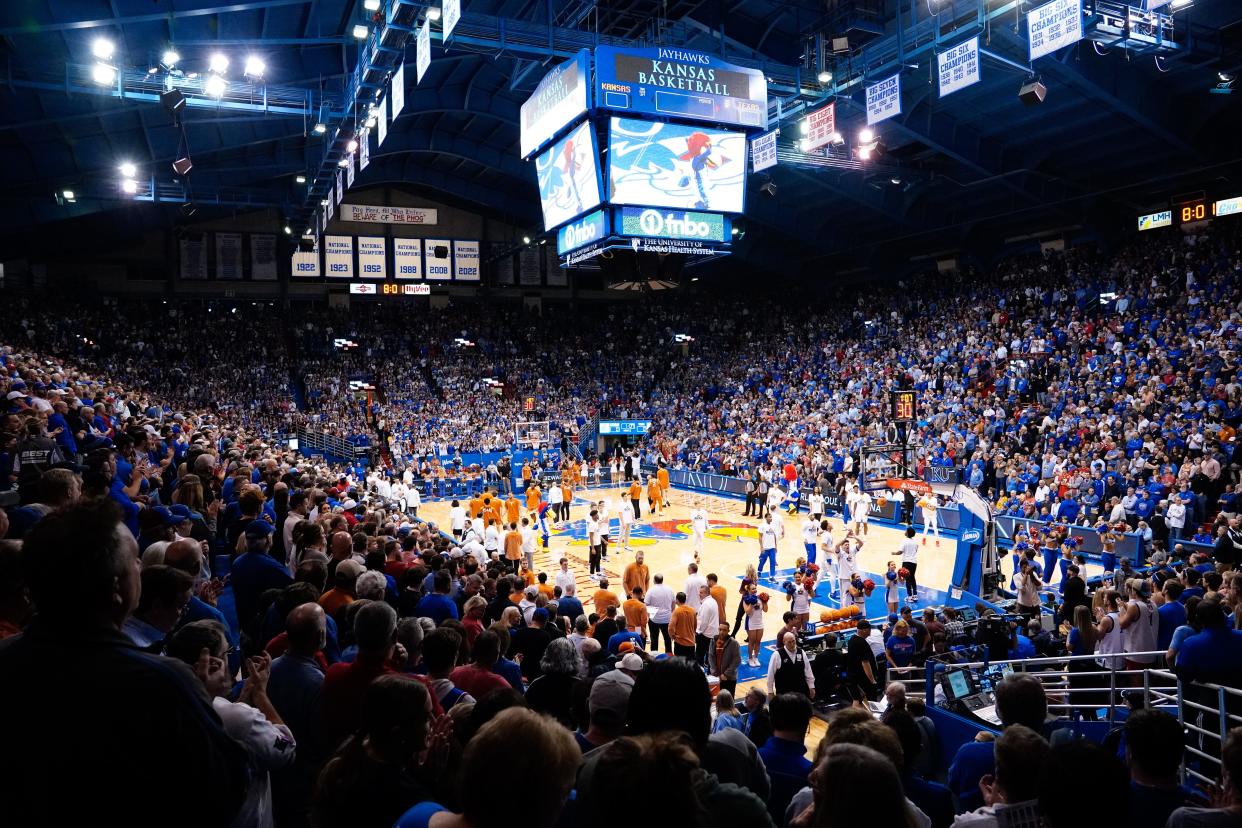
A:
(800, 600)
(755, 605)
(816, 503)
(1051, 551)
(890, 587)
(751, 577)
(1067, 557)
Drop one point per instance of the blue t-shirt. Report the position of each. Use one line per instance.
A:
(1172, 615)
(419, 816)
(437, 607)
(617, 639)
(973, 761)
(900, 649)
(1212, 655)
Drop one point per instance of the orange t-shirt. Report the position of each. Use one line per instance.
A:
(567, 492)
(718, 592)
(526, 474)
(662, 476)
(653, 490)
(513, 510)
(636, 575)
(547, 589)
(476, 507)
(636, 490)
(635, 615)
(532, 498)
(681, 625)
(603, 599)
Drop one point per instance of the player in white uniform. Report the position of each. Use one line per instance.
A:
(827, 548)
(816, 505)
(861, 512)
(698, 531)
(931, 524)
(626, 516)
(810, 537)
(775, 498)
(413, 500)
(847, 565)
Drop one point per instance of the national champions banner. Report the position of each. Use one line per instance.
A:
(372, 257)
(407, 258)
(438, 253)
(466, 261)
(306, 264)
(338, 256)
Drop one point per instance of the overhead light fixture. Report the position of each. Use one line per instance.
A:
(307, 232)
(361, 31)
(103, 48)
(103, 74)
(894, 181)
(1178, 5)
(804, 127)
(215, 86)
(171, 58)
(352, 145)
(129, 186)
(733, 231)
(188, 209)
(320, 129)
(301, 179)
(805, 144)
(525, 239)
(128, 170)
(864, 153)
(323, 203)
(433, 12)
(1225, 77)
(1032, 93)
(173, 102)
(218, 62)
(344, 162)
(152, 70)
(824, 76)
(69, 196)
(768, 188)
(866, 135)
(288, 230)
(836, 138)
(255, 67)
(371, 5)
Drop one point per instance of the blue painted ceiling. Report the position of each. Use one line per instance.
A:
(1119, 131)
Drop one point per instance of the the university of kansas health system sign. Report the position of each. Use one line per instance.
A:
(680, 83)
(651, 222)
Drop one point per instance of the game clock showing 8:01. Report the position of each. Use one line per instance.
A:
(902, 406)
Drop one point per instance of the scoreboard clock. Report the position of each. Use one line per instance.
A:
(1196, 209)
(903, 406)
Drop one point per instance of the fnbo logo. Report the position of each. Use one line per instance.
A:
(653, 224)
(581, 233)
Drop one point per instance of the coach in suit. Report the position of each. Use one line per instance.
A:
(723, 659)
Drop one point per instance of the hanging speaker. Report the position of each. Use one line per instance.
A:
(182, 166)
(1032, 93)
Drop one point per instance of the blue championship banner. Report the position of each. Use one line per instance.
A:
(680, 83)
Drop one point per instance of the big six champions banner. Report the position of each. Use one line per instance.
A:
(1053, 25)
(671, 82)
(958, 67)
(558, 99)
(884, 100)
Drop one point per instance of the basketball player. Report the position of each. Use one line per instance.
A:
(775, 498)
(767, 545)
(861, 511)
(816, 503)
(847, 563)
(662, 479)
(655, 496)
(910, 563)
(555, 497)
(698, 531)
(636, 493)
(457, 520)
(605, 525)
(810, 537)
(928, 505)
(827, 547)
(627, 517)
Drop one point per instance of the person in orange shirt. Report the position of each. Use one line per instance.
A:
(636, 614)
(567, 492)
(717, 591)
(513, 548)
(637, 576)
(532, 497)
(636, 493)
(526, 475)
(655, 497)
(544, 587)
(342, 592)
(662, 477)
(513, 509)
(476, 507)
(682, 628)
(605, 598)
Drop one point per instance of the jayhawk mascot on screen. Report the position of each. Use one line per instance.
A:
(699, 154)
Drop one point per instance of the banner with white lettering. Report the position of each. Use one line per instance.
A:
(821, 124)
(557, 275)
(338, 256)
(378, 214)
(328, 214)
(884, 100)
(407, 258)
(306, 264)
(194, 256)
(381, 123)
(959, 66)
(364, 150)
(466, 261)
(438, 254)
(763, 151)
(349, 172)
(422, 55)
(504, 264)
(340, 185)
(1054, 25)
(529, 270)
(372, 257)
(397, 91)
(229, 256)
(452, 13)
(262, 257)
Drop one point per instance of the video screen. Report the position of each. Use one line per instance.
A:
(671, 165)
(569, 180)
(959, 684)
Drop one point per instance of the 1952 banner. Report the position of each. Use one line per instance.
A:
(884, 100)
(372, 257)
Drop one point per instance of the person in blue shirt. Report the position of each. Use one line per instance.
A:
(1153, 752)
(437, 605)
(618, 638)
(568, 605)
(1172, 613)
(1020, 700)
(784, 753)
(255, 571)
(899, 647)
(931, 798)
(1214, 655)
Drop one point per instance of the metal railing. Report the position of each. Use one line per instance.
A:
(310, 441)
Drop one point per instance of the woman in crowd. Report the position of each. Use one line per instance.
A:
(553, 692)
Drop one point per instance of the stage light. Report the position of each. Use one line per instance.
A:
(352, 145)
(824, 76)
(128, 170)
(215, 86)
(361, 31)
(152, 70)
(68, 195)
(255, 67)
(344, 162)
(371, 5)
(103, 74)
(171, 58)
(804, 127)
(288, 230)
(1177, 5)
(433, 13)
(805, 145)
(836, 138)
(301, 179)
(894, 181)
(866, 135)
(734, 231)
(320, 129)
(307, 232)
(1225, 77)
(103, 48)
(218, 62)
(173, 102)
(525, 239)
(323, 203)
(864, 153)
(129, 186)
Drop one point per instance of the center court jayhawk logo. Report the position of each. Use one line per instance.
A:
(646, 534)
